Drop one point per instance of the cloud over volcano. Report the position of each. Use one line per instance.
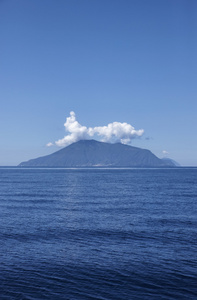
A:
(113, 132)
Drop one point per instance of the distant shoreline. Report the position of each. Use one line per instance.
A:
(97, 168)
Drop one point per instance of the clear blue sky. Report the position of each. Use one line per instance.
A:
(131, 61)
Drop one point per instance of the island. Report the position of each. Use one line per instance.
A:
(92, 153)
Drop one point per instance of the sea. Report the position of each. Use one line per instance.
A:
(98, 233)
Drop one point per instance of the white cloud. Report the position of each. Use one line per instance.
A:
(49, 144)
(165, 152)
(113, 132)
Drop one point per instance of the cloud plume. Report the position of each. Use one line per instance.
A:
(113, 132)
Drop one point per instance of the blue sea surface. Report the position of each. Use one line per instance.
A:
(98, 233)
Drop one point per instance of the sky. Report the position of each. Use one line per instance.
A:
(105, 66)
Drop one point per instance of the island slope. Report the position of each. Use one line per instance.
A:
(91, 153)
